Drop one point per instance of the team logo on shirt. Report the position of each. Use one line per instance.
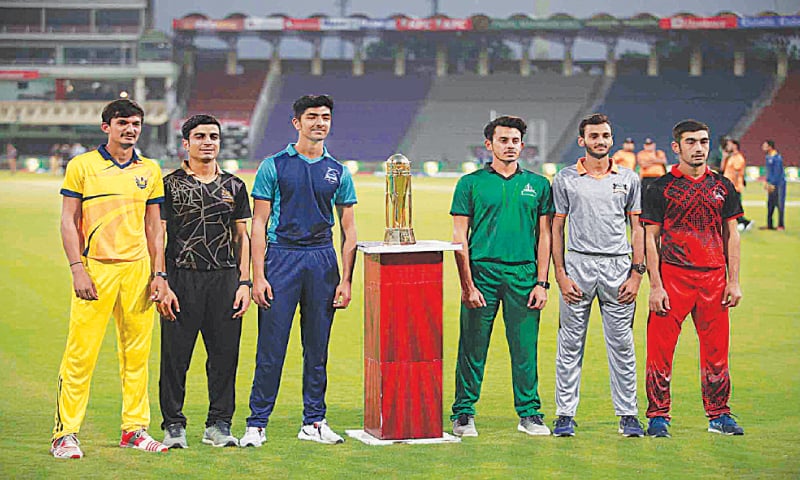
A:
(141, 182)
(619, 188)
(331, 176)
(528, 191)
(226, 196)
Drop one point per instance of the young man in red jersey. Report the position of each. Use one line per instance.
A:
(692, 248)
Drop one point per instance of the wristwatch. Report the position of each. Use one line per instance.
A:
(245, 283)
(161, 274)
(640, 268)
(545, 285)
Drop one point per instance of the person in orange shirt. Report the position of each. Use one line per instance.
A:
(652, 163)
(626, 157)
(732, 168)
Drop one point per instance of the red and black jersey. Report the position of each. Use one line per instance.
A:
(691, 213)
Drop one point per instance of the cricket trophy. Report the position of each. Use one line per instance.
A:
(398, 201)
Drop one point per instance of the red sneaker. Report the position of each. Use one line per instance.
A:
(141, 440)
(66, 447)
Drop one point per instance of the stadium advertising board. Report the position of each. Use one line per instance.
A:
(304, 24)
(770, 22)
(19, 75)
(698, 23)
(534, 24)
(356, 24)
(263, 24)
(434, 24)
(204, 24)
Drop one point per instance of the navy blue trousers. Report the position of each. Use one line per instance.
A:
(299, 275)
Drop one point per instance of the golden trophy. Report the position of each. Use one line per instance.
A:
(398, 201)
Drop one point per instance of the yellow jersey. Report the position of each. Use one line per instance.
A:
(114, 199)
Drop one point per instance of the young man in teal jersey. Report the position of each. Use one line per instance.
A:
(502, 214)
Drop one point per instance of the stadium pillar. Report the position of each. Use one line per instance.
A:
(316, 58)
(358, 56)
(400, 59)
(231, 58)
(139, 90)
(738, 62)
(403, 292)
(441, 59)
(782, 68)
(611, 58)
(652, 61)
(483, 58)
(567, 65)
(525, 60)
(696, 61)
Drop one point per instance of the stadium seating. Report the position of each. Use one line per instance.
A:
(371, 113)
(228, 97)
(778, 122)
(458, 107)
(640, 106)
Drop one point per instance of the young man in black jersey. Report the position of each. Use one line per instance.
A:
(208, 264)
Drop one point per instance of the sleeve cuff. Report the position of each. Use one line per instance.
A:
(346, 204)
(648, 221)
(561, 215)
(460, 214)
(733, 217)
(261, 197)
(635, 212)
(71, 194)
(156, 200)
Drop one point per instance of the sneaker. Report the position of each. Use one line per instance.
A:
(66, 447)
(175, 436)
(141, 440)
(740, 227)
(564, 426)
(253, 437)
(533, 425)
(630, 426)
(464, 426)
(657, 427)
(780, 229)
(726, 425)
(319, 432)
(749, 226)
(219, 435)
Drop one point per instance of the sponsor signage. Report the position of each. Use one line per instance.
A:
(19, 74)
(356, 24)
(651, 22)
(770, 22)
(698, 23)
(263, 23)
(602, 23)
(304, 24)
(535, 24)
(433, 24)
(202, 24)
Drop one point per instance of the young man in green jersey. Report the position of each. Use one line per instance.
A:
(503, 214)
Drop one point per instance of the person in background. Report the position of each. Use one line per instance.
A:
(732, 167)
(776, 184)
(652, 164)
(626, 156)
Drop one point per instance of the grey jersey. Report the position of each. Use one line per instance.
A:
(597, 208)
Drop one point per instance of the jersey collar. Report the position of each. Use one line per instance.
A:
(675, 171)
(488, 167)
(612, 168)
(101, 149)
(186, 168)
(294, 153)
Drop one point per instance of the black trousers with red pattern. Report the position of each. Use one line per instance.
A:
(698, 292)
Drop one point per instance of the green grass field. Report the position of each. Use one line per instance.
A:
(35, 291)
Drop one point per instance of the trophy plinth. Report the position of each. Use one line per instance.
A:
(398, 201)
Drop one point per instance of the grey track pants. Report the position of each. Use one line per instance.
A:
(601, 277)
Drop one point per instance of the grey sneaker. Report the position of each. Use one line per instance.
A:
(464, 426)
(219, 435)
(533, 426)
(175, 436)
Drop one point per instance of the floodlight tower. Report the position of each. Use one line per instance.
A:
(343, 7)
(434, 7)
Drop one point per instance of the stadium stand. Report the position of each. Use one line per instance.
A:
(228, 97)
(371, 113)
(641, 106)
(458, 107)
(776, 121)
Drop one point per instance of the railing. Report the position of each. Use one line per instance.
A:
(82, 29)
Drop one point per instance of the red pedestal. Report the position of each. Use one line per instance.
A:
(403, 344)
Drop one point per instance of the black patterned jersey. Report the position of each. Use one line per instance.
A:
(691, 213)
(200, 219)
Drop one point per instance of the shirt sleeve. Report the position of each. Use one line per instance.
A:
(634, 204)
(345, 192)
(266, 181)
(157, 191)
(546, 206)
(241, 209)
(560, 197)
(654, 204)
(73, 180)
(462, 198)
(732, 208)
(166, 207)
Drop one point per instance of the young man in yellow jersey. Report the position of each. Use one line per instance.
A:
(111, 232)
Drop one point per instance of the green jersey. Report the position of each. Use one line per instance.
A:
(504, 213)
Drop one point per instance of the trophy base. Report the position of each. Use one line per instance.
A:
(399, 236)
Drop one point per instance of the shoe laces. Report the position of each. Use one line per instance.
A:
(631, 421)
(659, 422)
(564, 421)
(463, 419)
(174, 429)
(537, 419)
(727, 419)
(69, 439)
(223, 427)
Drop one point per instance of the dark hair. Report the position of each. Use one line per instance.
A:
(196, 120)
(771, 143)
(505, 121)
(593, 119)
(121, 108)
(311, 101)
(687, 126)
(735, 142)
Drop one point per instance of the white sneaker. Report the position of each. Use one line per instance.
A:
(141, 440)
(319, 432)
(464, 426)
(66, 447)
(253, 437)
(533, 426)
